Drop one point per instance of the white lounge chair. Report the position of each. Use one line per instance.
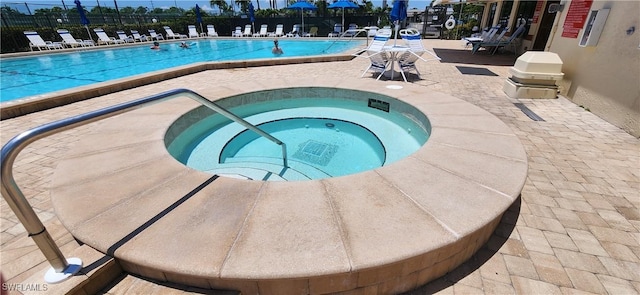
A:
(137, 37)
(262, 32)
(124, 37)
(172, 35)
(155, 36)
(35, 41)
(351, 31)
(337, 31)
(279, 31)
(103, 38)
(296, 30)
(237, 32)
(193, 32)
(211, 31)
(69, 41)
(247, 31)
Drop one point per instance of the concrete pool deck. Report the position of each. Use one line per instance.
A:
(575, 228)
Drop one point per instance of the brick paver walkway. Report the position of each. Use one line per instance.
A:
(575, 229)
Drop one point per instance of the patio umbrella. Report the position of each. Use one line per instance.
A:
(83, 18)
(302, 5)
(343, 4)
(199, 17)
(252, 16)
(398, 14)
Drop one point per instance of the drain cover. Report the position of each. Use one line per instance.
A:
(315, 152)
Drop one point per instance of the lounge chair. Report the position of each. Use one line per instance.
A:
(279, 31)
(313, 32)
(211, 31)
(103, 38)
(377, 56)
(337, 31)
(247, 31)
(69, 41)
(262, 32)
(124, 37)
(193, 32)
(137, 37)
(351, 31)
(35, 41)
(499, 42)
(155, 36)
(486, 35)
(172, 35)
(237, 32)
(296, 30)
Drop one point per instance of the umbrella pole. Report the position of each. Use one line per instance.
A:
(201, 30)
(342, 19)
(88, 32)
(396, 25)
(302, 15)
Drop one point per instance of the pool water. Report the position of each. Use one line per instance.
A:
(36, 75)
(325, 137)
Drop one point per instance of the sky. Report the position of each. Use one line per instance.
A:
(186, 4)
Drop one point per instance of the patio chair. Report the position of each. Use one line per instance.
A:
(69, 41)
(35, 41)
(193, 32)
(379, 60)
(237, 32)
(211, 31)
(279, 31)
(407, 60)
(313, 32)
(262, 32)
(337, 31)
(171, 34)
(124, 37)
(137, 37)
(247, 31)
(103, 38)
(499, 42)
(296, 30)
(155, 36)
(486, 35)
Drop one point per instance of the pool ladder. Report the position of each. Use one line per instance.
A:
(61, 268)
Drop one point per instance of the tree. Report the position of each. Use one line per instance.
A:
(222, 5)
(141, 10)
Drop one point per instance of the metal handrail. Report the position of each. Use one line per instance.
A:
(20, 205)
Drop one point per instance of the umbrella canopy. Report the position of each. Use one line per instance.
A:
(83, 17)
(199, 17)
(302, 5)
(343, 4)
(398, 14)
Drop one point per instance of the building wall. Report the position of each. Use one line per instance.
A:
(605, 78)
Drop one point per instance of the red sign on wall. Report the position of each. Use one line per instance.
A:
(576, 16)
(537, 12)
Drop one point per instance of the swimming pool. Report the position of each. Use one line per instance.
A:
(327, 132)
(36, 75)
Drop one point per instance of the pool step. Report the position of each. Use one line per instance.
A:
(267, 168)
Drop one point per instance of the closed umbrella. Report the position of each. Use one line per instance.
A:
(252, 16)
(199, 17)
(343, 4)
(302, 5)
(83, 18)
(398, 14)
